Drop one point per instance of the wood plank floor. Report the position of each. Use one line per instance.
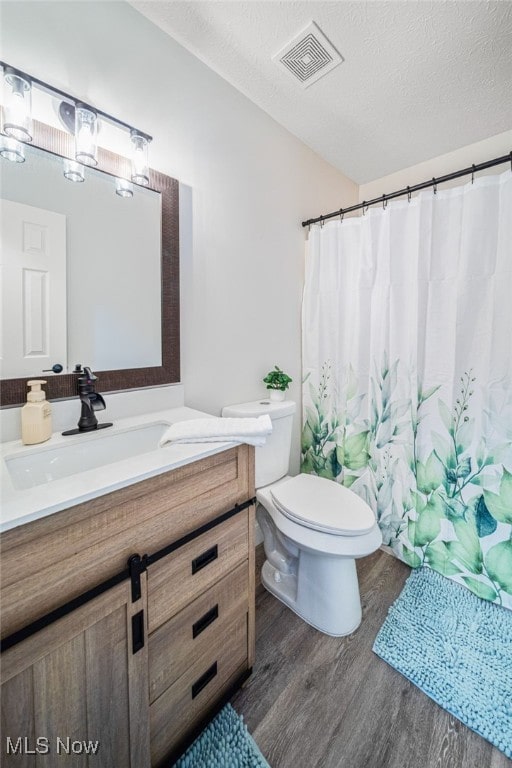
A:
(317, 701)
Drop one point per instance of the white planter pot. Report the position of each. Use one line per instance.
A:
(277, 395)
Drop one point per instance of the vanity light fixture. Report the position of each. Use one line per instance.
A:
(81, 120)
(11, 149)
(140, 166)
(74, 171)
(124, 188)
(17, 123)
(86, 130)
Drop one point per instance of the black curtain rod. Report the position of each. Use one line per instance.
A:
(409, 190)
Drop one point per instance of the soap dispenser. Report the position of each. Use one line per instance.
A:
(36, 415)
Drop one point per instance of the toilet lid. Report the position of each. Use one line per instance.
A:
(323, 505)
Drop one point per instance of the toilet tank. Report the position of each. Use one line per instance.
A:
(272, 459)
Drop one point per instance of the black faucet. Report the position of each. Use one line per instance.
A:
(91, 401)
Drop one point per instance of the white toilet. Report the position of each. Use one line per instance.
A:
(313, 529)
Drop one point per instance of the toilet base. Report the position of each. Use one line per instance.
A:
(336, 613)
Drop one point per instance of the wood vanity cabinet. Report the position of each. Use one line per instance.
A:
(138, 671)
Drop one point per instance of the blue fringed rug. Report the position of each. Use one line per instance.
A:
(457, 649)
(224, 743)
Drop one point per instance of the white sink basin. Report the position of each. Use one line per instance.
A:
(88, 451)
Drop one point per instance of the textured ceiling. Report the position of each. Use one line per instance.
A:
(419, 78)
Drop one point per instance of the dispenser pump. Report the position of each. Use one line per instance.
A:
(36, 394)
(36, 415)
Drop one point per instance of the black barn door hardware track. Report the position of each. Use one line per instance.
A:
(137, 564)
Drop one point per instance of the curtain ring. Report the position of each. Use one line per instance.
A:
(342, 215)
(384, 202)
(321, 221)
(364, 208)
(408, 194)
(473, 174)
(434, 184)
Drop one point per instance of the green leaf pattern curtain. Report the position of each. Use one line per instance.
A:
(407, 375)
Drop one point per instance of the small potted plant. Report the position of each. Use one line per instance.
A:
(277, 381)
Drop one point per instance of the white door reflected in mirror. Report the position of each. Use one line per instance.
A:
(33, 289)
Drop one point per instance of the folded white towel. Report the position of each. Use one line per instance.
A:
(252, 431)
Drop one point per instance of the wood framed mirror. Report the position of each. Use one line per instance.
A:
(64, 385)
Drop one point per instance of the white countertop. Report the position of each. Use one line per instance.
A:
(23, 506)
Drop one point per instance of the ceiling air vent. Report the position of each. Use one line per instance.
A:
(309, 56)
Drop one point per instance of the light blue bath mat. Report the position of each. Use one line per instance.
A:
(224, 743)
(457, 649)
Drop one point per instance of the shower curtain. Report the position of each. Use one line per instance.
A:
(407, 385)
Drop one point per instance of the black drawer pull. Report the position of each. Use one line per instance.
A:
(205, 621)
(204, 680)
(201, 561)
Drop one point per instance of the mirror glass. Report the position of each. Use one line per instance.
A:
(86, 285)
(115, 320)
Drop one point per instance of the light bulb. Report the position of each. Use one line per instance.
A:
(124, 188)
(140, 165)
(12, 150)
(74, 171)
(86, 129)
(18, 106)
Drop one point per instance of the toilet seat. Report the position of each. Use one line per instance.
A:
(323, 505)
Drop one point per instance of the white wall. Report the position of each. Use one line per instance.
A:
(472, 154)
(249, 182)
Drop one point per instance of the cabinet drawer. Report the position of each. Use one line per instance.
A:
(188, 699)
(178, 643)
(179, 578)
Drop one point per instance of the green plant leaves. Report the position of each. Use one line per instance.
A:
(424, 395)
(465, 435)
(349, 480)
(466, 550)
(384, 433)
(307, 437)
(410, 557)
(355, 451)
(307, 465)
(312, 419)
(389, 381)
(479, 588)
(439, 558)
(365, 433)
(441, 447)
(330, 468)
(396, 410)
(430, 475)
(428, 523)
(485, 522)
(463, 468)
(411, 531)
(498, 562)
(277, 379)
(500, 504)
(446, 416)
